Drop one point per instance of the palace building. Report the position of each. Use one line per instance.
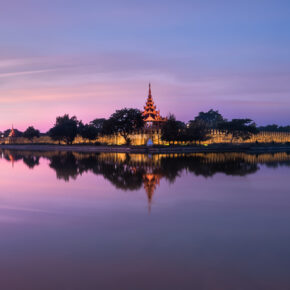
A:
(150, 114)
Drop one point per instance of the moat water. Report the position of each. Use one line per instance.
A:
(117, 221)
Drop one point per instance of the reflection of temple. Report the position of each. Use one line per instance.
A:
(11, 158)
(150, 114)
(150, 181)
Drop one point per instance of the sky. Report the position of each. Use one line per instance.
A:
(88, 58)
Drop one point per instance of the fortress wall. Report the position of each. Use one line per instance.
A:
(141, 138)
(262, 137)
(22, 140)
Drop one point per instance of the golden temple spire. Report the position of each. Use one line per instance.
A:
(150, 114)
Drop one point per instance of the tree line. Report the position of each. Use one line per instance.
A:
(199, 129)
(129, 120)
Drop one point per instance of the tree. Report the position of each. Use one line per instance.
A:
(173, 130)
(211, 118)
(197, 131)
(65, 129)
(98, 124)
(108, 127)
(89, 132)
(31, 133)
(124, 122)
(239, 128)
(274, 128)
(6, 132)
(56, 133)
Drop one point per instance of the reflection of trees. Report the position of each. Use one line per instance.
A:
(121, 175)
(237, 167)
(31, 161)
(277, 164)
(199, 165)
(281, 162)
(130, 172)
(65, 166)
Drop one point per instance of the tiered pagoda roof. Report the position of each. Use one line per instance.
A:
(150, 114)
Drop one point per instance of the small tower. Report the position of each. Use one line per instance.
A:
(11, 136)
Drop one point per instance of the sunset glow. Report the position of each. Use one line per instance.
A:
(88, 59)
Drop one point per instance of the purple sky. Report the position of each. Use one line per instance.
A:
(88, 58)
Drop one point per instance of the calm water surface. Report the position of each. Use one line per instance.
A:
(117, 221)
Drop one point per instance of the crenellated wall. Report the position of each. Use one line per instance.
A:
(142, 138)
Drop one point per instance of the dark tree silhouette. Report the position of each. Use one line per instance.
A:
(274, 128)
(31, 133)
(65, 129)
(99, 124)
(88, 132)
(211, 118)
(197, 131)
(239, 128)
(124, 122)
(173, 130)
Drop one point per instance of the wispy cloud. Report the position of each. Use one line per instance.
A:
(24, 73)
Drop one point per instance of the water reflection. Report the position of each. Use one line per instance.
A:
(223, 223)
(132, 171)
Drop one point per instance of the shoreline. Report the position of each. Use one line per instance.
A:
(262, 148)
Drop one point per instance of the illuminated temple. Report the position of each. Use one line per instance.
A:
(12, 136)
(12, 133)
(150, 114)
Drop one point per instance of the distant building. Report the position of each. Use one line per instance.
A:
(12, 136)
